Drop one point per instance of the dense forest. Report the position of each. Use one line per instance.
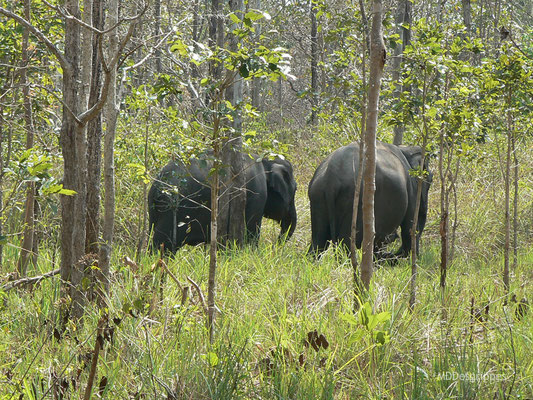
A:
(266, 199)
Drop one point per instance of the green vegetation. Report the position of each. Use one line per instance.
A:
(458, 78)
(271, 298)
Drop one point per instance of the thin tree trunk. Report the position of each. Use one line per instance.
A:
(29, 222)
(256, 82)
(143, 222)
(232, 199)
(414, 243)
(157, 32)
(467, 15)
(94, 143)
(314, 62)
(507, 206)
(515, 202)
(444, 198)
(444, 224)
(403, 20)
(216, 37)
(377, 63)
(111, 115)
(358, 179)
(211, 283)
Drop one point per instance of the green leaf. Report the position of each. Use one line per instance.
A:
(66, 192)
(254, 15)
(212, 359)
(234, 18)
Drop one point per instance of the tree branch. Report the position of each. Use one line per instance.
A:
(40, 36)
(29, 281)
(66, 15)
(97, 107)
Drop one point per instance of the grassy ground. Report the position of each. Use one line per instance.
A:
(464, 343)
(270, 298)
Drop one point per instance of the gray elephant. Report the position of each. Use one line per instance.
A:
(179, 201)
(331, 194)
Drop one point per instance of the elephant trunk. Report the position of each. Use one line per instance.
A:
(288, 223)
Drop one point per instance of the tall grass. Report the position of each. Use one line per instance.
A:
(270, 297)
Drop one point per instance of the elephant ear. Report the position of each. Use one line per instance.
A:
(276, 182)
(413, 154)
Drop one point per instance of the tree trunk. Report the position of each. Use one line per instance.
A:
(72, 140)
(467, 15)
(157, 32)
(216, 38)
(29, 222)
(359, 178)
(94, 142)
(211, 282)
(444, 214)
(403, 20)
(507, 206)
(377, 63)
(144, 211)
(314, 62)
(256, 82)
(111, 115)
(515, 202)
(232, 199)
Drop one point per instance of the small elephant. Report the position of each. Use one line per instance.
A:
(331, 194)
(179, 201)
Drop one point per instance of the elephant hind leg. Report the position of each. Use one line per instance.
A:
(405, 249)
(320, 233)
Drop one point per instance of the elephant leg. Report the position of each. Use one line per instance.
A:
(320, 234)
(162, 233)
(253, 229)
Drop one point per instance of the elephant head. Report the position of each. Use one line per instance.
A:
(281, 188)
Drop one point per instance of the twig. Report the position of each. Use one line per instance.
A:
(28, 281)
(514, 354)
(94, 363)
(200, 294)
(164, 266)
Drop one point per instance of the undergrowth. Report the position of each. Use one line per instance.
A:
(464, 342)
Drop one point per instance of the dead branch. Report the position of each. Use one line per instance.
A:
(29, 281)
(200, 294)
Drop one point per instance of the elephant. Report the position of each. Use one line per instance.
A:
(331, 195)
(179, 201)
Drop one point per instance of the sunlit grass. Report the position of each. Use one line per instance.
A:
(269, 298)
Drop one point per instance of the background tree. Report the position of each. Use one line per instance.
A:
(377, 63)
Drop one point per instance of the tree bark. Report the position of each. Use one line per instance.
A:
(29, 221)
(414, 242)
(256, 82)
(232, 199)
(403, 20)
(314, 62)
(94, 142)
(359, 178)
(507, 206)
(72, 139)
(111, 115)
(377, 63)
(515, 202)
(467, 15)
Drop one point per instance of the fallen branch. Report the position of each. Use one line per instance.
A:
(29, 281)
(200, 294)
(164, 266)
